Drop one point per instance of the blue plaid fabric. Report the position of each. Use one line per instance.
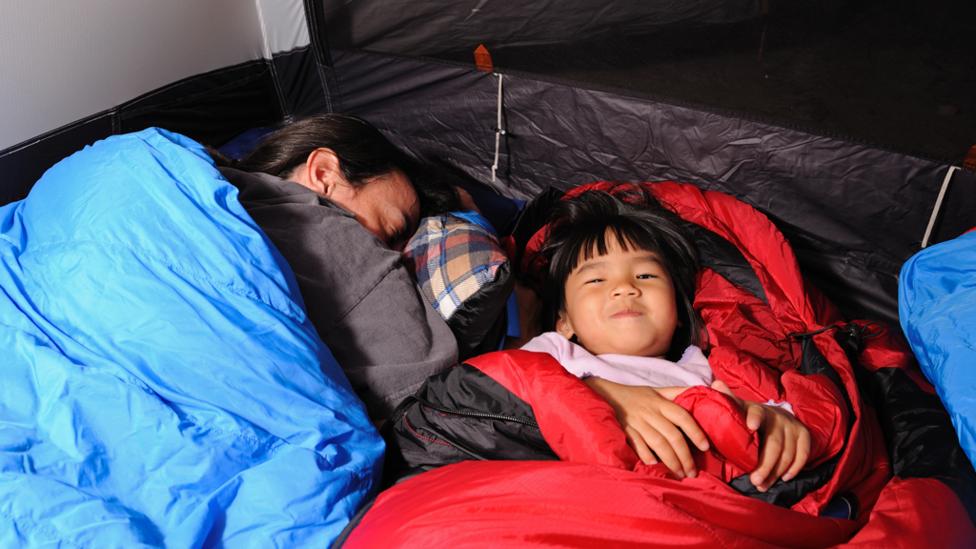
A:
(453, 259)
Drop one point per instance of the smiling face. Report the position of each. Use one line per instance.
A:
(621, 302)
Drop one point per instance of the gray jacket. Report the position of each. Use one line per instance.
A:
(358, 293)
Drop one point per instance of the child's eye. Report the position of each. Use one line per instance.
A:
(646, 276)
(593, 281)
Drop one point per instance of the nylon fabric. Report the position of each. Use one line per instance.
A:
(937, 307)
(921, 441)
(463, 414)
(852, 213)
(904, 515)
(580, 426)
(541, 504)
(600, 494)
(440, 26)
(162, 383)
(526, 504)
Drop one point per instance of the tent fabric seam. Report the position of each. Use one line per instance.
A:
(671, 101)
(291, 52)
(117, 110)
(269, 62)
(111, 112)
(323, 59)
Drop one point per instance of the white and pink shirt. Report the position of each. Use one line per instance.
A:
(690, 370)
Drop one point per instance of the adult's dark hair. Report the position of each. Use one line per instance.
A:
(579, 229)
(363, 152)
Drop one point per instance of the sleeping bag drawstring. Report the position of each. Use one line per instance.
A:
(938, 205)
(865, 329)
(850, 335)
(499, 131)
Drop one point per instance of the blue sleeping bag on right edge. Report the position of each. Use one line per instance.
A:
(937, 310)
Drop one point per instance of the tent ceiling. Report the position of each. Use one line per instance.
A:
(895, 75)
(430, 27)
(97, 67)
(899, 75)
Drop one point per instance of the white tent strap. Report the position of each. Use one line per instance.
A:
(938, 205)
(499, 131)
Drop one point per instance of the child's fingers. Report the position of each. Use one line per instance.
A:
(802, 455)
(637, 443)
(658, 444)
(785, 457)
(755, 415)
(670, 445)
(772, 446)
(684, 421)
(722, 387)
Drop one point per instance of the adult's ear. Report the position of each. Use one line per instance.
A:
(321, 172)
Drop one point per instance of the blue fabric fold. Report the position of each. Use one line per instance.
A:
(937, 311)
(161, 383)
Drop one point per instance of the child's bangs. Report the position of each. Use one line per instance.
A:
(628, 235)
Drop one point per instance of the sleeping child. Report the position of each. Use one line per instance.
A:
(621, 283)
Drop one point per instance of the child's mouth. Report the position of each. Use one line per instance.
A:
(626, 314)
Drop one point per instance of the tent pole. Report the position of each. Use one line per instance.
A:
(938, 205)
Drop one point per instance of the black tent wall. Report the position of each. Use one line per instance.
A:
(853, 213)
(430, 27)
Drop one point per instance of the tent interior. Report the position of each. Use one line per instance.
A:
(846, 122)
(827, 68)
(832, 76)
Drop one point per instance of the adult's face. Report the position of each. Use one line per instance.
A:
(386, 206)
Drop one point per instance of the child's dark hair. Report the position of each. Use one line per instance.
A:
(578, 230)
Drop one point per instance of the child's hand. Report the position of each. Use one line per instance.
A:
(785, 444)
(655, 426)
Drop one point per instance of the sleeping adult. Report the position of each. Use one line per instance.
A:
(335, 198)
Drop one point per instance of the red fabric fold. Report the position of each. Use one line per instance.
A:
(581, 427)
(734, 449)
(562, 504)
(577, 424)
(602, 497)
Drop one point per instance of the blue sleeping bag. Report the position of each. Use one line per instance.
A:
(160, 383)
(937, 310)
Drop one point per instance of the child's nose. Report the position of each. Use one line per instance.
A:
(625, 288)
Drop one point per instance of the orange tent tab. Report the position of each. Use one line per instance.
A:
(482, 59)
(970, 162)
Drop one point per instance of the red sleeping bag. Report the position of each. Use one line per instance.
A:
(779, 345)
